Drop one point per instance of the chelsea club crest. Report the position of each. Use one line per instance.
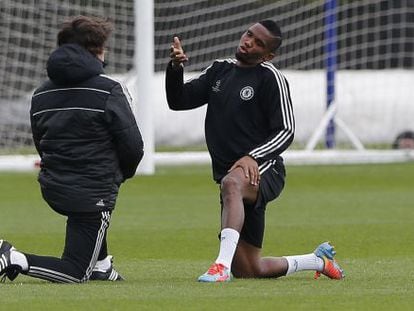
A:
(246, 93)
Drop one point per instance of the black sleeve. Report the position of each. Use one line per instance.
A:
(35, 132)
(281, 121)
(189, 95)
(124, 129)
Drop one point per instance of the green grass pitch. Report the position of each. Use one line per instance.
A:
(163, 235)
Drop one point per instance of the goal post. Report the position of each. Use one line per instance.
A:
(143, 85)
(330, 121)
(330, 49)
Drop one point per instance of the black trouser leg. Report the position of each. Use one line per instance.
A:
(104, 249)
(85, 235)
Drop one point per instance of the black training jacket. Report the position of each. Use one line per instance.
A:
(249, 111)
(85, 132)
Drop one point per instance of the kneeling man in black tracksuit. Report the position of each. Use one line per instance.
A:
(87, 137)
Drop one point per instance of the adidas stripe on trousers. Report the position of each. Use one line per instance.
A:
(85, 243)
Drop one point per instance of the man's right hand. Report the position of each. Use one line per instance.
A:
(250, 169)
(177, 54)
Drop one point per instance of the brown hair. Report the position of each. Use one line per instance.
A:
(89, 32)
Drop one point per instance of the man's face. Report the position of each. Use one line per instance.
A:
(255, 46)
(406, 143)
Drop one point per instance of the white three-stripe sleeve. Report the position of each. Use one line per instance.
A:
(277, 143)
(125, 91)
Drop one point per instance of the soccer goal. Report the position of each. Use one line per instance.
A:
(349, 63)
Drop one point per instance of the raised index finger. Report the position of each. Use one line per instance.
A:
(177, 43)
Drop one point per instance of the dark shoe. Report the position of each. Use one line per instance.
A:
(101, 274)
(10, 271)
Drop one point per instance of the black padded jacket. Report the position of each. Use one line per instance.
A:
(85, 132)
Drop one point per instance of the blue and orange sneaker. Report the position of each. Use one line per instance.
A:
(331, 269)
(216, 273)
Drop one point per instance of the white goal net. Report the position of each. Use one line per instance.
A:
(374, 62)
(28, 30)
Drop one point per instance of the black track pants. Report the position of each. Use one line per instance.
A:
(85, 244)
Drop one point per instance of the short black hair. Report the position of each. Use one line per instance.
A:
(274, 29)
(403, 135)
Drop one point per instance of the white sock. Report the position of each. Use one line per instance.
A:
(228, 243)
(104, 264)
(17, 258)
(304, 262)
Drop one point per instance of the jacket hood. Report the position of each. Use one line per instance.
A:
(71, 63)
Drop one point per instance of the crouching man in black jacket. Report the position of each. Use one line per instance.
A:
(85, 132)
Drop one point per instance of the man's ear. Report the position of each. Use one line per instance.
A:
(269, 57)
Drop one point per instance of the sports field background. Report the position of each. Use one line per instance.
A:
(163, 235)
